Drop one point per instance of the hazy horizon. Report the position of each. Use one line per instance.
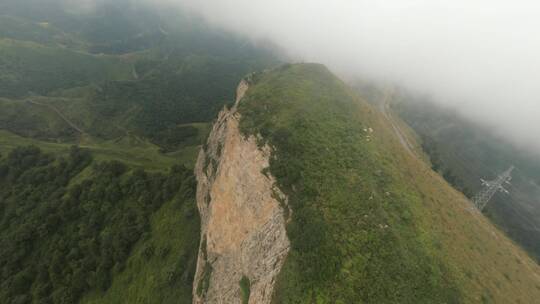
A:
(480, 57)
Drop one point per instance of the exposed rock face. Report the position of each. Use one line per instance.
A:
(242, 220)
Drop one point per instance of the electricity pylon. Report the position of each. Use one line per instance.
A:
(481, 199)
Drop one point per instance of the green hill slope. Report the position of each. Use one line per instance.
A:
(125, 68)
(27, 67)
(72, 225)
(371, 223)
(464, 152)
(13, 27)
(135, 88)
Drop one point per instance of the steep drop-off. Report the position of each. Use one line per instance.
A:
(243, 238)
(368, 222)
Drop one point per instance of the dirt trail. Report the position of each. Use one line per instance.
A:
(71, 124)
(134, 72)
(384, 108)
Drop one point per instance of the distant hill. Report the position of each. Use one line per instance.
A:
(127, 68)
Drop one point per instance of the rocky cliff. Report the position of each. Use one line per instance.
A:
(243, 237)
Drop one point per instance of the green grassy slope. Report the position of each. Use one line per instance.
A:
(34, 121)
(13, 27)
(124, 68)
(128, 150)
(371, 223)
(464, 152)
(136, 88)
(31, 68)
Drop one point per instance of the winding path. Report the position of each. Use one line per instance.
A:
(69, 122)
(384, 107)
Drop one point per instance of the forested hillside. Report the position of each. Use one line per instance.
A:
(102, 112)
(122, 68)
(104, 107)
(68, 224)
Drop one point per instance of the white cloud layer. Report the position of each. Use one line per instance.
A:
(480, 55)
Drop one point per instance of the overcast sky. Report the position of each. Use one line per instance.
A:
(482, 55)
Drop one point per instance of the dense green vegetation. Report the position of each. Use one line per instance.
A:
(135, 87)
(429, 146)
(13, 27)
(179, 91)
(354, 234)
(61, 239)
(27, 68)
(121, 69)
(464, 152)
(102, 113)
(245, 289)
(33, 120)
(129, 150)
(162, 265)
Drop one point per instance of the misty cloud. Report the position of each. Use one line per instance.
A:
(82, 6)
(482, 56)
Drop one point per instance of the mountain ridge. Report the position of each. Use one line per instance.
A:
(305, 114)
(130, 172)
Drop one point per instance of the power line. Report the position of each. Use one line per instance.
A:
(481, 199)
(525, 219)
(513, 201)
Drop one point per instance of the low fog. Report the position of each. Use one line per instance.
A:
(480, 56)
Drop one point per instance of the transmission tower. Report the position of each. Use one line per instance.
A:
(481, 199)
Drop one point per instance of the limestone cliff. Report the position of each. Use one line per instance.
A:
(243, 235)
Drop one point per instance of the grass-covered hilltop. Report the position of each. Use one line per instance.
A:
(370, 222)
(131, 173)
